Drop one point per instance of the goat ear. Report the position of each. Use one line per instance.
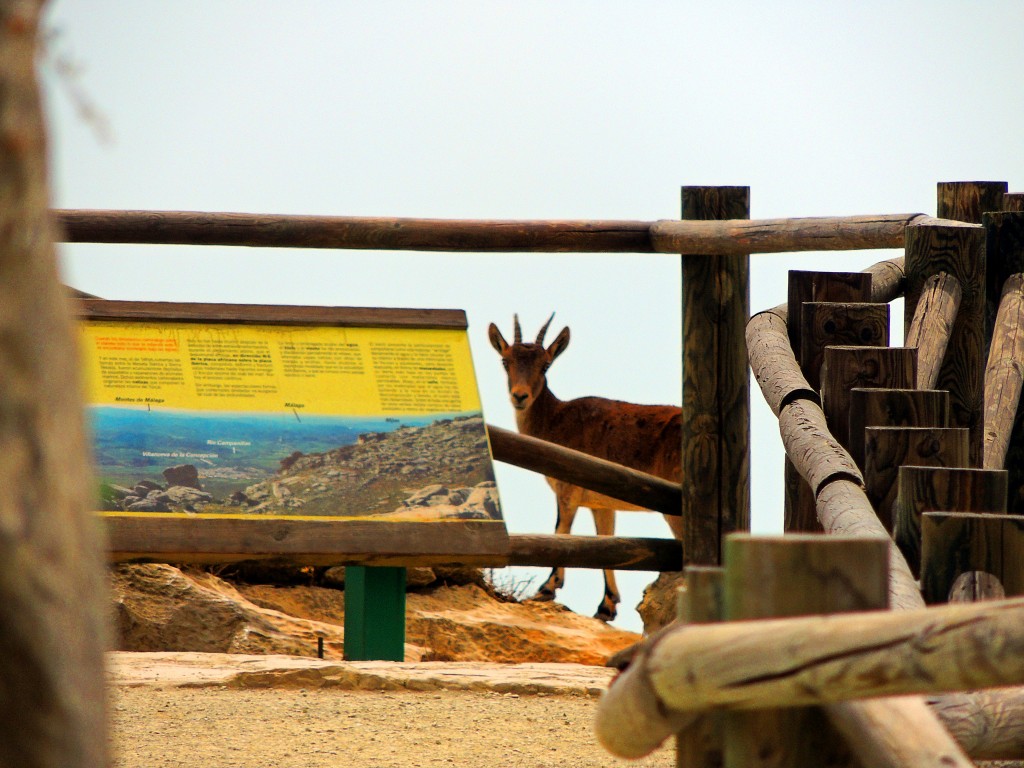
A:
(497, 340)
(559, 345)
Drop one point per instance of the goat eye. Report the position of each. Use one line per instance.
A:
(504, 364)
(544, 368)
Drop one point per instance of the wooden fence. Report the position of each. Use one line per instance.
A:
(907, 441)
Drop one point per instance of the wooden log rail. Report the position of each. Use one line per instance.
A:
(1004, 373)
(724, 237)
(932, 326)
(620, 553)
(581, 469)
(819, 660)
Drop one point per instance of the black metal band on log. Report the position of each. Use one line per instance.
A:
(1004, 373)
(586, 471)
(737, 237)
(932, 326)
(616, 552)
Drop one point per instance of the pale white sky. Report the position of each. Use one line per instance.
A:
(524, 110)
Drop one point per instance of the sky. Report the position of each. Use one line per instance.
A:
(588, 110)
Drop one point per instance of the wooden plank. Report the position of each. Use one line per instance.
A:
(893, 408)
(184, 538)
(839, 324)
(352, 232)
(932, 326)
(942, 489)
(886, 449)
(587, 471)
(575, 551)
(716, 389)
(846, 368)
(1013, 201)
(957, 249)
(955, 543)
(807, 287)
(267, 314)
(969, 200)
(736, 238)
(797, 575)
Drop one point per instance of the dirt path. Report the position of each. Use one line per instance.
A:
(216, 727)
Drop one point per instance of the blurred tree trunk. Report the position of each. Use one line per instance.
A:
(52, 589)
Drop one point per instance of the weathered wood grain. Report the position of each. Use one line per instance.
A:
(182, 538)
(701, 745)
(773, 362)
(888, 280)
(53, 594)
(941, 489)
(1004, 378)
(839, 324)
(958, 250)
(956, 543)
(846, 368)
(797, 575)
(716, 388)
(886, 449)
(1013, 201)
(575, 551)
(969, 200)
(836, 233)
(822, 659)
(587, 471)
(932, 325)
(352, 232)
(894, 408)
(815, 454)
(804, 287)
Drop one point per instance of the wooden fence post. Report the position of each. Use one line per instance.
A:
(847, 368)
(955, 543)
(894, 408)
(797, 575)
(700, 745)
(886, 449)
(942, 489)
(716, 389)
(957, 249)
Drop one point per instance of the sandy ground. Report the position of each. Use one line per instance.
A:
(220, 727)
(231, 710)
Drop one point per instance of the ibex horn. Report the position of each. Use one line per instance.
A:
(544, 329)
(518, 331)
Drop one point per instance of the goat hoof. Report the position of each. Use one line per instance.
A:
(544, 595)
(605, 613)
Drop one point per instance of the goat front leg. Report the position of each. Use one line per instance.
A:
(567, 508)
(604, 524)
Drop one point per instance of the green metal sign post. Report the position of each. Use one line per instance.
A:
(374, 613)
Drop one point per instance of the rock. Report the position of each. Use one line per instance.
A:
(118, 491)
(148, 505)
(161, 608)
(334, 577)
(430, 496)
(658, 606)
(184, 475)
(143, 488)
(484, 498)
(419, 576)
(183, 496)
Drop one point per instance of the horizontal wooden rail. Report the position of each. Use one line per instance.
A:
(482, 235)
(736, 237)
(819, 660)
(586, 471)
(352, 232)
(617, 552)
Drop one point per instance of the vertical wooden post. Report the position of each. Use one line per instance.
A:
(957, 249)
(894, 408)
(374, 613)
(700, 745)
(716, 389)
(1013, 201)
(941, 489)
(968, 200)
(886, 449)
(846, 368)
(797, 575)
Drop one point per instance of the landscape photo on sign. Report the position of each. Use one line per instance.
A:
(298, 421)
